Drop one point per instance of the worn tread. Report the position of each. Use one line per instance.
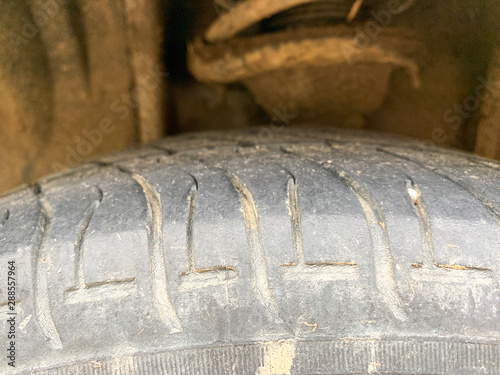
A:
(114, 248)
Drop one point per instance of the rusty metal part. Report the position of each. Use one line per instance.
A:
(335, 46)
(325, 12)
(354, 10)
(278, 14)
(320, 73)
(299, 54)
(245, 14)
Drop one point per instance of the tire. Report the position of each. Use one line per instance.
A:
(259, 252)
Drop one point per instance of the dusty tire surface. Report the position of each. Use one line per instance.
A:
(261, 252)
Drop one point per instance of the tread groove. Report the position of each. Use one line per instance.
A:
(190, 223)
(260, 281)
(430, 270)
(166, 151)
(383, 262)
(490, 206)
(4, 219)
(83, 292)
(40, 283)
(294, 211)
(201, 277)
(301, 269)
(424, 223)
(156, 253)
(84, 225)
(382, 257)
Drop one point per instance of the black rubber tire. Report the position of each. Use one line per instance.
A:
(264, 252)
